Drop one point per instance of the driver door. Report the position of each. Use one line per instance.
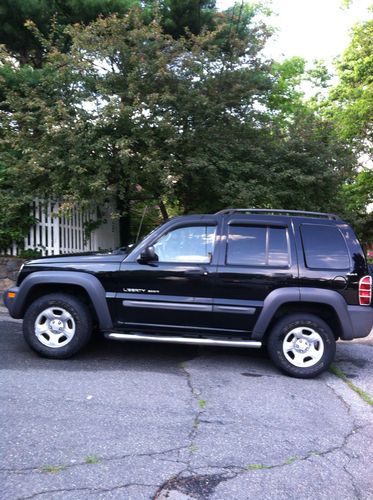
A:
(172, 293)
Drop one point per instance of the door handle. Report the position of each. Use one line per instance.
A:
(195, 273)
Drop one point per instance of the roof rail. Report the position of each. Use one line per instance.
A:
(273, 211)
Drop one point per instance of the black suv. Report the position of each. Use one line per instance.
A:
(293, 281)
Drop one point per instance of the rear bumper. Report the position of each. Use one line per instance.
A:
(361, 319)
(10, 303)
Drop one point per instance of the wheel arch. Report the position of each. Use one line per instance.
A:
(326, 304)
(83, 285)
(324, 311)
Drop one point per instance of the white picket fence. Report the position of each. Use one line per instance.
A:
(55, 235)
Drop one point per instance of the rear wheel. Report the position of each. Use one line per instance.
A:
(301, 345)
(57, 325)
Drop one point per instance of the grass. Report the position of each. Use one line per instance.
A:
(53, 469)
(193, 448)
(289, 461)
(202, 404)
(92, 459)
(340, 374)
(256, 467)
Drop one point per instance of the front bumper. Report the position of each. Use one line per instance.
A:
(11, 302)
(361, 319)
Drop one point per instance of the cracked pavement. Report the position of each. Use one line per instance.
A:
(152, 421)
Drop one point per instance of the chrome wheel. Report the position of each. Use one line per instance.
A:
(55, 327)
(303, 347)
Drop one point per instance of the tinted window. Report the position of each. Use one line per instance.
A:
(278, 250)
(187, 244)
(324, 247)
(257, 246)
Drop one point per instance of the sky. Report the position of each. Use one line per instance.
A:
(312, 29)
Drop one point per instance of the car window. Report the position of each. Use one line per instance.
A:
(187, 244)
(324, 247)
(258, 246)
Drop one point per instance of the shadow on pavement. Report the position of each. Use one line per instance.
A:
(116, 355)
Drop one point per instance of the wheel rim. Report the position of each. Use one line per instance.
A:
(55, 327)
(303, 347)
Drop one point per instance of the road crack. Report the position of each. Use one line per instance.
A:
(199, 405)
(27, 470)
(93, 490)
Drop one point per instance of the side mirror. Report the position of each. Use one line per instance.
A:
(148, 255)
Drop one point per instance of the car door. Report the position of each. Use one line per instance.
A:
(258, 256)
(324, 258)
(172, 293)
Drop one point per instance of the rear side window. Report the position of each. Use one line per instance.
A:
(258, 246)
(324, 247)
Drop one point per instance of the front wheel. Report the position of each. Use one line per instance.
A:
(301, 345)
(57, 325)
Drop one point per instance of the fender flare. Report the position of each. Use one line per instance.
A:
(281, 296)
(88, 282)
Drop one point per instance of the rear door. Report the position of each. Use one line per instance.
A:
(330, 257)
(257, 257)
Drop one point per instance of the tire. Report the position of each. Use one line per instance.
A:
(57, 326)
(301, 345)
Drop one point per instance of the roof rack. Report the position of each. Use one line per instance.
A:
(273, 211)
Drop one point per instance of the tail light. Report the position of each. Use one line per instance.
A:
(365, 291)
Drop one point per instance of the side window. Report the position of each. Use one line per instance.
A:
(187, 244)
(324, 247)
(258, 246)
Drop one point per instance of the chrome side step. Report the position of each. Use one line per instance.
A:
(139, 337)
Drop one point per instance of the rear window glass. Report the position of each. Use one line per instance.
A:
(324, 247)
(258, 246)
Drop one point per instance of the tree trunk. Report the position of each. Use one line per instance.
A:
(124, 208)
(163, 209)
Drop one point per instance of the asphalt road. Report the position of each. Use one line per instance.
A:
(142, 421)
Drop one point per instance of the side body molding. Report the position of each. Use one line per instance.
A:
(282, 296)
(90, 283)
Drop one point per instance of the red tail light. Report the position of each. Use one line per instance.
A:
(365, 291)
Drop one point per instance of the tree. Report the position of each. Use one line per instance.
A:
(190, 123)
(152, 104)
(352, 98)
(49, 17)
(350, 106)
(180, 17)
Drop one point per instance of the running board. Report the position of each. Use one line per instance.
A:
(183, 340)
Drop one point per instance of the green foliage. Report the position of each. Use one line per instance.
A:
(53, 469)
(357, 195)
(352, 98)
(92, 459)
(167, 108)
(49, 16)
(350, 107)
(30, 254)
(256, 467)
(286, 97)
(181, 17)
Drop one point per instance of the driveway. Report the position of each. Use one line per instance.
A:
(142, 421)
